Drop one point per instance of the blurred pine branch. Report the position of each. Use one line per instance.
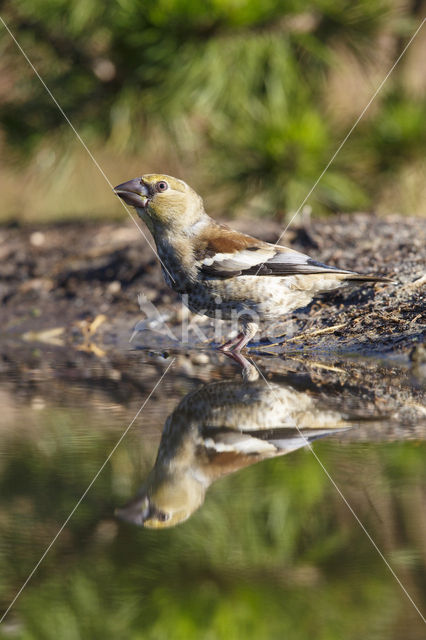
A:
(248, 101)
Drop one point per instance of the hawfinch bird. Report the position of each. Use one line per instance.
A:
(217, 430)
(220, 272)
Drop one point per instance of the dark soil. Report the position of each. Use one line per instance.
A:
(55, 281)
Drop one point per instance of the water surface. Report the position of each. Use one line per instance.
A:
(263, 545)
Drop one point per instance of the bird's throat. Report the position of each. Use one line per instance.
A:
(144, 215)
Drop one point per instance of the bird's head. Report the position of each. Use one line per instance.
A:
(163, 202)
(164, 501)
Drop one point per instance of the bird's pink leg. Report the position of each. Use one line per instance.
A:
(241, 340)
(248, 370)
(238, 343)
(231, 344)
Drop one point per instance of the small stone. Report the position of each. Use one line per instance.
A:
(38, 403)
(37, 238)
(114, 287)
(200, 358)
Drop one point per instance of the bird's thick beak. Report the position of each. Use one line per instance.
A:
(133, 192)
(136, 511)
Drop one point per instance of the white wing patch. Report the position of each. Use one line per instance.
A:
(238, 443)
(262, 260)
(287, 256)
(238, 260)
(275, 441)
(256, 261)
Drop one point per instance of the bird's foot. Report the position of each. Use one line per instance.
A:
(241, 340)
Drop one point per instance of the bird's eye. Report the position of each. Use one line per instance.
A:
(162, 185)
(162, 517)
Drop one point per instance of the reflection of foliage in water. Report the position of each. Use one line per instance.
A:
(273, 550)
(244, 87)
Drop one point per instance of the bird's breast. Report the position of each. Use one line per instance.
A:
(264, 296)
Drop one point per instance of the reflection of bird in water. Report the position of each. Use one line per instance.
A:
(217, 430)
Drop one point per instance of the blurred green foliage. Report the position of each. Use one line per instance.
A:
(273, 552)
(239, 92)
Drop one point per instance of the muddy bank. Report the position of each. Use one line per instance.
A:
(55, 281)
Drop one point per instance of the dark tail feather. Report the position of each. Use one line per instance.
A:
(315, 267)
(363, 278)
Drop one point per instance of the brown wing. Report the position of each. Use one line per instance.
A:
(224, 253)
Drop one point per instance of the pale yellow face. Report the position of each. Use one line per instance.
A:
(173, 500)
(163, 202)
(167, 197)
(172, 203)
(165, 500)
